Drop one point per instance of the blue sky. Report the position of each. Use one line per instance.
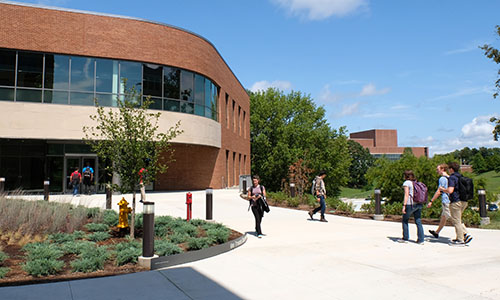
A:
(414, 66)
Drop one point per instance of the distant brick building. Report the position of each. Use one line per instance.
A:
(384, 142)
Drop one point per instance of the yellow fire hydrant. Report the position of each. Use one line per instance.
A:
(124, 211)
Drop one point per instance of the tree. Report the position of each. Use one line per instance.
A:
(289, 127)
(361, 161)
(494, 54)
(127, 138)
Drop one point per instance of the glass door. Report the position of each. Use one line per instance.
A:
(80, 161)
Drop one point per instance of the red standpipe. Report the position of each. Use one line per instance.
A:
(189, 203)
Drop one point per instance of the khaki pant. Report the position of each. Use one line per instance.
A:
(456, 210)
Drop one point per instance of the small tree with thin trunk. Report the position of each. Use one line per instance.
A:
(127, 138)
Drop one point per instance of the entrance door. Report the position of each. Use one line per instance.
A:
(73, 161)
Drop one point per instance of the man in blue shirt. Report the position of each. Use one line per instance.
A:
(457, 206)
(88, 177)
(442, 170)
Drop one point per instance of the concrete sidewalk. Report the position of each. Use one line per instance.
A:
(298, 259)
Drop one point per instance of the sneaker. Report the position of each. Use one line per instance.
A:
(434, 234)
(420, 243)
(323, 220)
(259, 236)
(467, 239)
(457, 243)
(311, 215)
(402, 241)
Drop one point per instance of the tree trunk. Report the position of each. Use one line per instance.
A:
(132, 221)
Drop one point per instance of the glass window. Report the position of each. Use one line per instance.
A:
(132, 73)
(59, 97)
(82, 74)
(82, 99)
(156, 103)
(208, 93)
(187, 80)
(199, 110)
(29, 95)
(172, 105)
(171, 82)
(208, 112)
(106, 78)
(7, 67)
(187, 107)
(199, 89)
(215, 95)
(107, 99)
(6, 94)
(56, 72)
(30, 69)
(152, 79)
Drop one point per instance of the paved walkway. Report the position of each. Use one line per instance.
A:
(299, 259)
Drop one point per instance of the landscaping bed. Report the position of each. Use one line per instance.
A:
(47, 242)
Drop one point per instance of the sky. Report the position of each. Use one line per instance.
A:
(414, 66)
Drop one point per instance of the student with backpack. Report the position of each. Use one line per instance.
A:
(319, 191)
(256, 196)
(442, 170)
(414, 197)
(460, 189)
(75, 179)
(88, 176)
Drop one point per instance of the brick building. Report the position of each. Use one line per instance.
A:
(54, 62)
(384, 142)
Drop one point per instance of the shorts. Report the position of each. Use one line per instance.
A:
(446, 210)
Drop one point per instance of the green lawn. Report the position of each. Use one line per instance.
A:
(494, 220)
(346, 192)
(492, 181)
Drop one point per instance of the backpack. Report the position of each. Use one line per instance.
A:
(465, 188)
(87, 173)
(74, 177)
(419, 192)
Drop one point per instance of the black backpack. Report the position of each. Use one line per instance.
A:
(465, 188)
(87, 173)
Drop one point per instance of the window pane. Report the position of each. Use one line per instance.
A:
(156, 103)
(58, 97)
(106, 79)
(187, 85)
(199, 110)
(152, 79)
(208, 93)
(7, 67)
(208, 112)
(82, 99)
(171, 82)
(30, 69)
(214, 115)
(107, 99)
(215, 95)
(132, 72)
(172, 105)
(199, 87)
(6, 94)
(82, 74)
(187, 107)
(56, 72)
(29, 95)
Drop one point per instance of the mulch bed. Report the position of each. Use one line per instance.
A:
(17, 276)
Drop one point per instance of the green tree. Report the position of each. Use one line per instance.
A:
(289, 127)
(361, 161)
(127, 137)
(494, 54)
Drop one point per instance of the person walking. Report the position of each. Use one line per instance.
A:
(457, 206)
(410, 208)
(320, 194)
(76, 179)
(88, 177)
(255, 193)
(442, 170)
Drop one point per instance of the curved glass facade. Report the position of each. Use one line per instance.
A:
(77, 80)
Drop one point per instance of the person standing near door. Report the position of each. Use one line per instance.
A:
(76, 179)
(88, 177)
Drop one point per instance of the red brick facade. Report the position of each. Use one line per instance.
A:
(384, 141)
(87, 34)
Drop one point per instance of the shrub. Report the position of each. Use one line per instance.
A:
(90, 259)
(60, 237)
(293, 202)
(164, 248)
(471, 217)
(76, 247)
(178, 238)
(394, 208)
(98, 236)
(332, 202)
(198, 243)
(42, 267)
(3, 257)
(97, 227)
(139, 221)
(127, 252)
(345, 207)
(3, 271)
(110, 217)
(197, 222)
(218, 235)
(41, 251)
(184, 228)
(93, 212)
(368, 207)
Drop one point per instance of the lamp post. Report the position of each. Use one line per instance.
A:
(46, 184)
(292, 190)
(485, 220)
(209, 203)
(378, 209)
(2, 184)
(148, 246)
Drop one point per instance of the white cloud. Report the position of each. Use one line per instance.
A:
(350, 109)
(321, 9)
(480, 127)
(371, 90)
(326, 95)
(264, 85)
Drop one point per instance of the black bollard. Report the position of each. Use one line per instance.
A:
(482, 203)
(2, 184)
(244, 184)
(209, 203)
(46, 185)
(148, 235)
(292, 190)
(109, 195)
(378, 209)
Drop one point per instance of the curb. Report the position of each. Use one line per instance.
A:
(182, 258)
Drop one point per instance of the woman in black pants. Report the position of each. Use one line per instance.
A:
(255, 192)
